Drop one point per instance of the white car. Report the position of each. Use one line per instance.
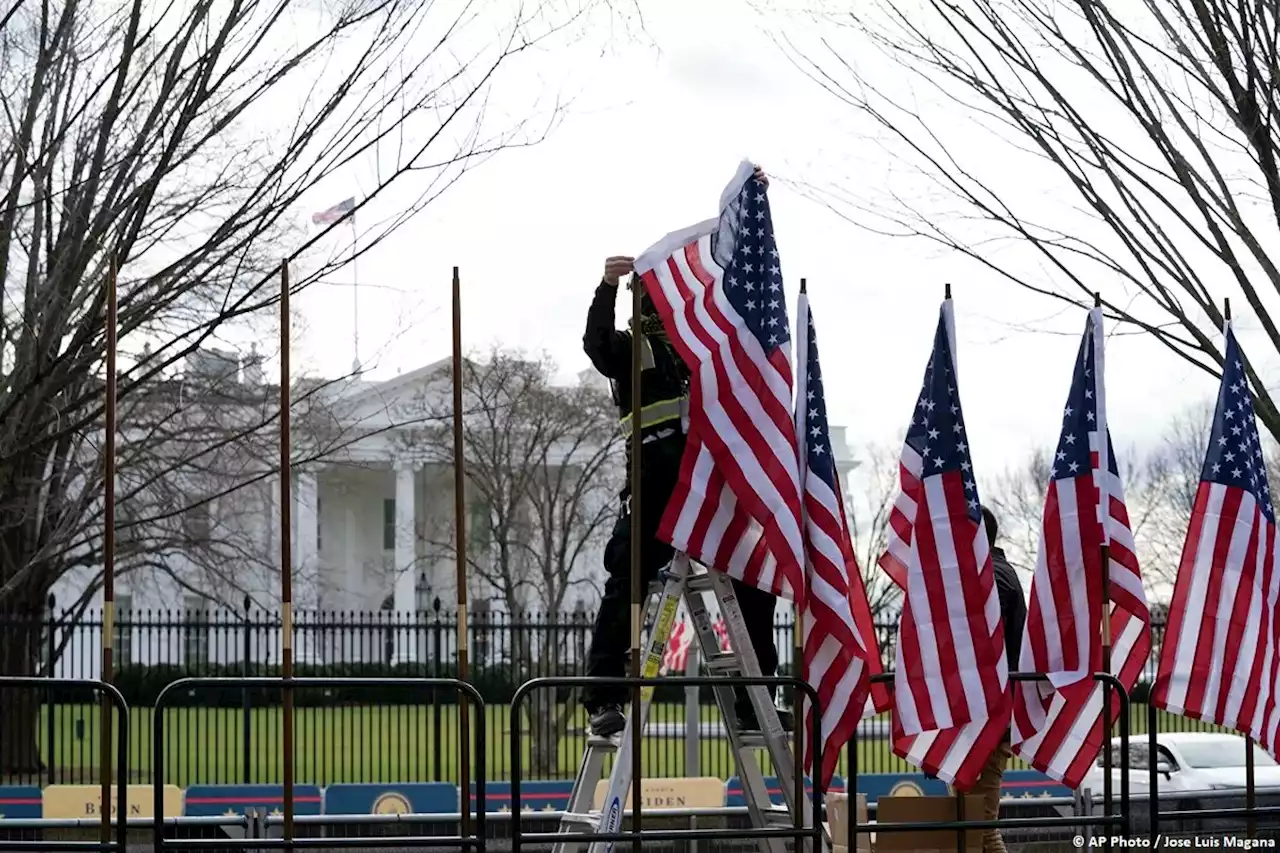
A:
(1186, 761)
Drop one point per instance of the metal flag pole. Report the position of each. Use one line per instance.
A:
(108, 556)
(286, 558)
(1250, 794)
(637, 587)
(1104, 510)
(460, 557)
(962, 835)
(797, 655)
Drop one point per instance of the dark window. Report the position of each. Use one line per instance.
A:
(389, 524)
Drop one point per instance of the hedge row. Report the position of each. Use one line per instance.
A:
(141, 685)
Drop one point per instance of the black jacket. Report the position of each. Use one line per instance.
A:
(665, 379)
(1013, 605)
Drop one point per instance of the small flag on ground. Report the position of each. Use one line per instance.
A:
(1057, 726)
(333, 214)
(951, 681)
(1220, 659)
(840, 652)
(718, 288)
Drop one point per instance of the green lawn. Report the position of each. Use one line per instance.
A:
(380, 744)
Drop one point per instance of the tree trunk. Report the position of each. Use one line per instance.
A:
(544, 731)
(20, 637)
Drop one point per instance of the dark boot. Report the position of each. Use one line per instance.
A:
(606, 721)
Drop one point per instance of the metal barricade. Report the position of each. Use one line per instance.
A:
(13, 682)
(961, 825)
(636, 835)
(1249, 813)
(476, 840)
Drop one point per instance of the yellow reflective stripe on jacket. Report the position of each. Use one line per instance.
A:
(656, 413)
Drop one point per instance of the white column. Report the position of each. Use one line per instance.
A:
(306, 577)
(406, 562)
(351, 559)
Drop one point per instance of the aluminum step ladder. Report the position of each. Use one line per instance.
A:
(682, 581)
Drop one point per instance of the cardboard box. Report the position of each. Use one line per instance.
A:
(694, 792)
(927, 810)
(85, 801)
(837, 826)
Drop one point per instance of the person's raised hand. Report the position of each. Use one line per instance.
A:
(760, 176)
(617, 266)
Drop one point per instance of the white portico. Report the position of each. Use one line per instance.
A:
(372, 534)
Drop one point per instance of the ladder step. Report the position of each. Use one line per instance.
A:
(778, 816)
(699, 583)
(725, 662)
(752, 740)
(591, 820)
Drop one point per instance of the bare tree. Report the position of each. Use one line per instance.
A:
(1016, 496)
(1173, 478)
(180, 143)
(1158, 123)
(542, 467)
(873, 489)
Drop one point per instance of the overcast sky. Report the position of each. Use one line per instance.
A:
(653, 135)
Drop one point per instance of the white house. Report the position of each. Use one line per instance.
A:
(362, 516)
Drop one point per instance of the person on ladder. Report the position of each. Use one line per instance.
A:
(663, 391)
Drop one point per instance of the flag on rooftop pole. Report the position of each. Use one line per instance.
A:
(1220, 658)
(335, 213)
(718, 288)
(951, 701)
(840, 652)
(1058, 726)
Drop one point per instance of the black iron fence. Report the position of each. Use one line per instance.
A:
(344, 735)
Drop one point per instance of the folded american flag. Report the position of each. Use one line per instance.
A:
(718, 288)
(951, 681)
(1057, 727)
(1220, 659)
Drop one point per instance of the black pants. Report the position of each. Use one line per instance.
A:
(611, 637)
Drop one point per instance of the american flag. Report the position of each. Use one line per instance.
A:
(951, 680)
(718, 289)
(722, 634)
(1057, 727)
(676, 656)
(840, 651)
(333, 214)
(1220, 660)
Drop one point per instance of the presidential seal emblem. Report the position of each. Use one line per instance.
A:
(906, 788)
(391, 802)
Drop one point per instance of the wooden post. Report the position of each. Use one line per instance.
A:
(638, 341)
(109, 558)
(286, 556)
(460, 548)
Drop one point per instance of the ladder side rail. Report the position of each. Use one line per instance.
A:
(621, 776)
(776, 739)
(755, 791)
